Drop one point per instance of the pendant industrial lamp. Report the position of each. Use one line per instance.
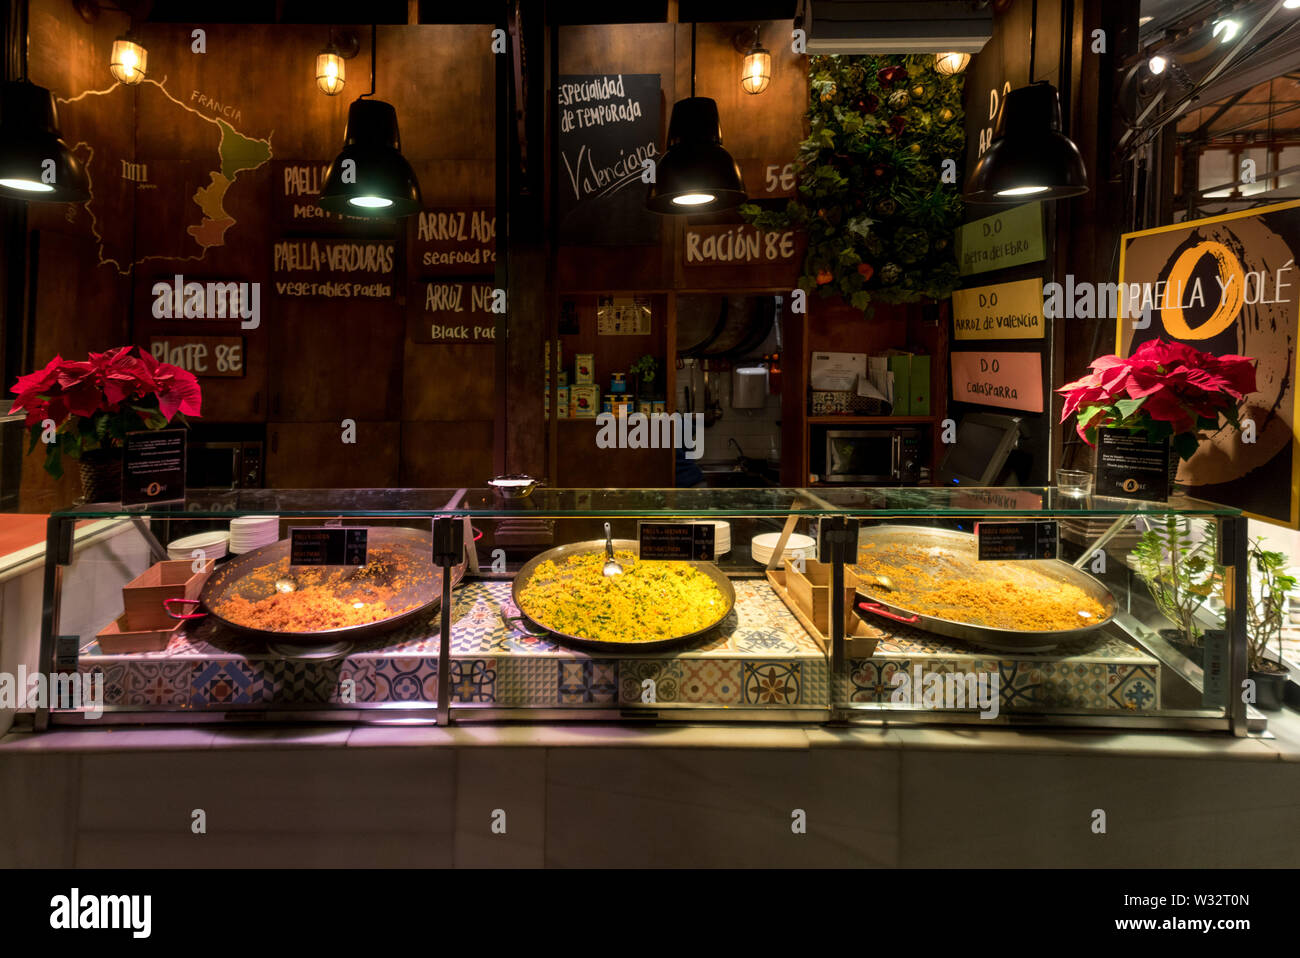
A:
(370, 177)
(695, 174)
(1030, 157)
(35, 162)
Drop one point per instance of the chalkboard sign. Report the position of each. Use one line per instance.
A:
(450, 312)
(676, 541)
(334, 268)
(608, 127)
(327, 545)
(1033, 539)
(455, 241)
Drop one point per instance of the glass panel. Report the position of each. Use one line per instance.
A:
(1260, 156)
(928, 500)
(1133, 630)
(770, 657)
(1215, 167)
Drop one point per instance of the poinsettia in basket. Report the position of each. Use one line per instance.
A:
(1165, 392)
(92, 404)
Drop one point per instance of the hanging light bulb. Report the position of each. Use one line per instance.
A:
(1029, 156)
(756, 74)
(129, 62)
(35, 162)
(695, 174)
(331, 74)
(1157, 64)
(370, 177)
(950, 64)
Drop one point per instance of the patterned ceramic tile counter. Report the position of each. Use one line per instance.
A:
(1101, 674)
(760, 657)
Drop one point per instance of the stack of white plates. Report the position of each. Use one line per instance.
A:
(213, 545)
(253, 532)
(721, 535)
(761, 547)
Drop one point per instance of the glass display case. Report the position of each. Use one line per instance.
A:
(896, 605)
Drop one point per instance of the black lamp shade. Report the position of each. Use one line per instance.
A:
(695, 168)
(1029, 158)
(372, 142)
(29, 140)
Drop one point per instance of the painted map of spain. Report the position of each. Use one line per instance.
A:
(181, 175)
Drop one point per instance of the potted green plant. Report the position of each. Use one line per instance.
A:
(83, 410)
(1180, 573)
(1269, 585)
(644, 369)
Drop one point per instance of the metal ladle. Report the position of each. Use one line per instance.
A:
(611, 568)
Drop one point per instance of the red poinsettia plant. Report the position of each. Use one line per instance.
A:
(1164, 391)
(92, 404)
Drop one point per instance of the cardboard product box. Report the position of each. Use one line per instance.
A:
(584, 369)
(901, 367)
(584, 401)
(562, 410)
(919, 398)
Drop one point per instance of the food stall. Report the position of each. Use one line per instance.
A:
(803, 606)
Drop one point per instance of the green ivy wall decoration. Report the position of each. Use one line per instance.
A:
(872, 198)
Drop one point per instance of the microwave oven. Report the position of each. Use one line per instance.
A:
(224, 465)
(891, 454)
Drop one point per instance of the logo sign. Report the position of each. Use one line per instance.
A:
(153, 467)
(1228, 285)
(1001, 311)
(1009, 380)
(1010, 238)
(1002, 541)
(679, 541)
(327, 545)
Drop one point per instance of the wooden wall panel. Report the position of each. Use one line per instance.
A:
(312, 455)
(447, 454)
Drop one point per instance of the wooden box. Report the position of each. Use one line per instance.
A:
(116, 638)
(143, 597)
(807, 595)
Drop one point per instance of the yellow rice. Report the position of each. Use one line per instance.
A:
(649, 602)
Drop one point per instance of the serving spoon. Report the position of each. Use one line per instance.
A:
(611, 568)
